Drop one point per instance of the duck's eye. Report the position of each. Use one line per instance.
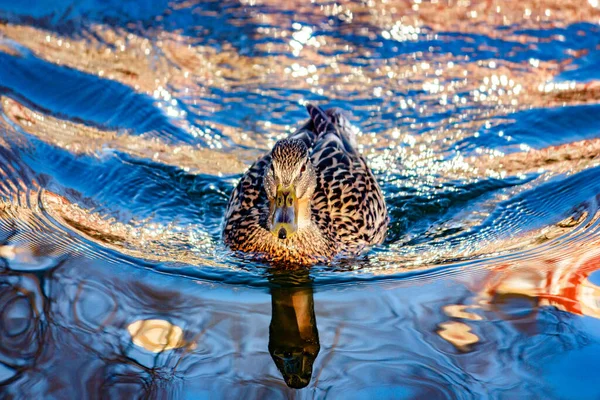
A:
(303, 169)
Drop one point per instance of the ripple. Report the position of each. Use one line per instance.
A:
(20, 322)
(136, 113)
(93, 307)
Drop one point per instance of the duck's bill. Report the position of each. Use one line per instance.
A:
(285, 222)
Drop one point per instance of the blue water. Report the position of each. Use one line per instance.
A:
(125, 126)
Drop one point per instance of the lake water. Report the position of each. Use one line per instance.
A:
(125, 125)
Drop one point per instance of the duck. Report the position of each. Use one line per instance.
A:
(311, 200)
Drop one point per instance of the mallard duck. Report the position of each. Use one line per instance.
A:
(311, 199)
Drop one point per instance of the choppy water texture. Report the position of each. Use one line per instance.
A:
(125, 125)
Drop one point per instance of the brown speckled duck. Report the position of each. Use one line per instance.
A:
(310, 199)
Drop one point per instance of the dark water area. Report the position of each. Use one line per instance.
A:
(124, 127)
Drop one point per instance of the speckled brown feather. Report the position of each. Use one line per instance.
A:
(348, 208)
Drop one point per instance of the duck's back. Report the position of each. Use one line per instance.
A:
(348, 204)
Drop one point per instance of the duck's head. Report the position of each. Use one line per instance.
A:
(290, 182)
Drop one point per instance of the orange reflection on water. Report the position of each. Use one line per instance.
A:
(559, 279)
(156, 335)
(562, 282)
(458, 334)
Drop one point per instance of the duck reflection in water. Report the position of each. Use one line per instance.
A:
(293, 334)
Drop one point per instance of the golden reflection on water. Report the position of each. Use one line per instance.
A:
(458, 334)
(168, 60)
(457, 311)
(82, 139)
(156, 335)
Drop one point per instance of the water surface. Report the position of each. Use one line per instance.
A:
(125, 125)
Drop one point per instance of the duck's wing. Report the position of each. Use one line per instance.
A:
(248, 207)
(348, 203)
